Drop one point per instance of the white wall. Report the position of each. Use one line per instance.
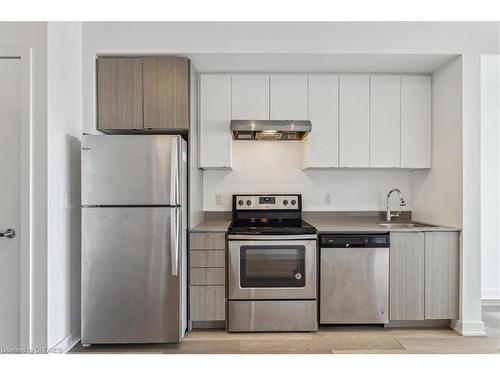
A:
(33, 35)
(490, 176)
(277, 167)
(437, 193)
(64, 133)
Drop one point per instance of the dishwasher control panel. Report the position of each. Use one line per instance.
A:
(342, 240)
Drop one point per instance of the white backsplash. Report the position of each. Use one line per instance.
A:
(276, 167)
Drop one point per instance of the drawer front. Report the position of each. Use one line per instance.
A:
(207, 276)
(207, 240)
(208, 258)
(207, 303)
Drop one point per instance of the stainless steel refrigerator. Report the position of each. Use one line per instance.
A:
(134, 220)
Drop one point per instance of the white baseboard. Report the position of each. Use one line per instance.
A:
(67, 343)
(490, 302)
(490, 294)
(468, 328)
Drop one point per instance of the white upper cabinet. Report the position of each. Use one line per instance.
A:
(215, 119)
(416, 122)
(354, 121)
(250, 97)
(321, 145)
(385, 121)
(289, 97)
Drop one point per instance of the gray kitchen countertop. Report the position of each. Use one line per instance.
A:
(359, 225)
(212, 225)
(329, 226)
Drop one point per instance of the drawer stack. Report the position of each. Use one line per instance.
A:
(207, 276)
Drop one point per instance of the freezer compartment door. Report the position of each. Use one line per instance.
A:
(132, 170)
(131, 290)
(354, 286)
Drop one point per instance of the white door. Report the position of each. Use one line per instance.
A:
(416, 121)
(10, 207)
(250, 97)
(385, 121)
(354, 121)
(289, 97)
(215, 121)
(321, 145)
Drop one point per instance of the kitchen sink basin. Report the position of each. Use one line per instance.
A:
(405, 225)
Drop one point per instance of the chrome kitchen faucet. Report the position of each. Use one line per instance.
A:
(388, 215)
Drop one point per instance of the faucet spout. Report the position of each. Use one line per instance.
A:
(388, 215)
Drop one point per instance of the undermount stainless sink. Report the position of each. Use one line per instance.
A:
(404, 225)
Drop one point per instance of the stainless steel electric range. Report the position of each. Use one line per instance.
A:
(272, 265)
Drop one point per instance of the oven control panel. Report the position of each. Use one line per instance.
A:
(267, 202)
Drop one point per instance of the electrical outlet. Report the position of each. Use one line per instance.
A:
(218, 199)
(328, 198)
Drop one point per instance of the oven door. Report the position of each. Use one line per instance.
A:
(272, 269)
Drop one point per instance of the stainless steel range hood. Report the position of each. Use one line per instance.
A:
(270, 130)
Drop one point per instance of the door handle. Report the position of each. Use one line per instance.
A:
(9, 233)
(175, 241)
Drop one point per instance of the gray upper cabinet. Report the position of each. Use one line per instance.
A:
(135, 93)
(441, 275)
(406, 276)
(166, 92)
(119, 93)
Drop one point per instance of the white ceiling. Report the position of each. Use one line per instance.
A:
(341, 63)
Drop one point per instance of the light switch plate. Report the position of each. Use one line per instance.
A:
(218, 200)
(328, 198)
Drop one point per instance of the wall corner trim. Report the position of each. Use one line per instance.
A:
(68, 342)
(469, 328)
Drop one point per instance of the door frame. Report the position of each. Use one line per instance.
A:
(24, 54)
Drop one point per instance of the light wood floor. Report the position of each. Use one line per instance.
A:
(328, 340)
(336, 340)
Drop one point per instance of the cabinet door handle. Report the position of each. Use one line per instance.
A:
(9, 233)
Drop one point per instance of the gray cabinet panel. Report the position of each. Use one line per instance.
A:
(406, 270)
(119, 93)
(441, 275)
(207, 303)
(207, 241)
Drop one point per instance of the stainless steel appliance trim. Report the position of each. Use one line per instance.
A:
(260, 237)
(174, 241)
(174, 171)
(309, 291)
(354, 285)
(282, 202)
(271, 125)
(284, 315)
(128, 293)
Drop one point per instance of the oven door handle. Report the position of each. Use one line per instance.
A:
(263, 237)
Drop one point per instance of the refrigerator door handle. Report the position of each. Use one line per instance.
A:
(175, 179)
(174, 241)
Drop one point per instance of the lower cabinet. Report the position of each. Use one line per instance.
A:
(424, 272)
(207, 277)
(441, 275)
(406, 276)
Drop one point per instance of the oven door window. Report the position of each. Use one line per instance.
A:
(272, 266)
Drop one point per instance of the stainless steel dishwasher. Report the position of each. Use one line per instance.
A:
(354, 278)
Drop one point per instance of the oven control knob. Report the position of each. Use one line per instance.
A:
(293, 202)
(285, 202)
(249, 202)
(240, 202)
(298, 276)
